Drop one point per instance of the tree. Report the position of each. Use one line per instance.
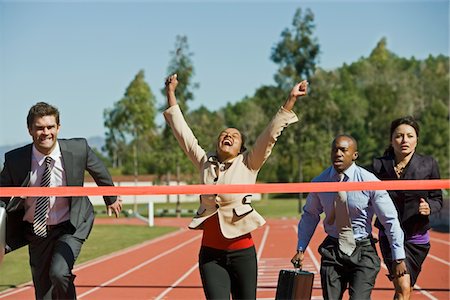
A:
(131, 120)
(297, 55)
(297, 52)
(181, 63)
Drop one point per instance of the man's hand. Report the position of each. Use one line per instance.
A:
(424, 208)
(116, 207)
(297, 260)
(399, 268)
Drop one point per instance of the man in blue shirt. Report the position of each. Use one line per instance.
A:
(356, 269)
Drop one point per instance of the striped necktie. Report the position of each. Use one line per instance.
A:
(347, 242)
(43, 203)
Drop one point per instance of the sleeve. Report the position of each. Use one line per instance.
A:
(184, 135)
(265, 142)
(309, 220)
(434, 198)
(99, 172)
(5, 180)
(387, 214)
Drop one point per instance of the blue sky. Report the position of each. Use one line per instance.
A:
(81, 55)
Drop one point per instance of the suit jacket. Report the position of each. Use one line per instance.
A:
(235, 213)
(77, 157)
(420, 167)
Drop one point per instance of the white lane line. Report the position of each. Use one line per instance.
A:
(176, 283)
(127, 250)
(94, 261)
(138, 266)
(416, 287)
(263, 242)
(311, 253)
(15, 291)
(440, 241)
(439, 259)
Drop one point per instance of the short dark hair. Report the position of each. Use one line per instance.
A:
(42, 109)
(347, 136)
(243, 148)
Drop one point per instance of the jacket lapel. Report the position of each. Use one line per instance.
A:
(413, 165)
(388, 165)
(67, 158)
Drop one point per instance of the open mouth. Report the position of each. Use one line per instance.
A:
(227, 142)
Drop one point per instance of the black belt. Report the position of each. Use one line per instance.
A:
(51, 227)
(362, 242)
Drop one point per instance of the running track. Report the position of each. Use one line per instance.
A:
(166, 267)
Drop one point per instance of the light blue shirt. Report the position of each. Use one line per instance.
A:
(362, 205)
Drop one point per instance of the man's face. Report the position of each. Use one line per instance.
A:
(343, 153)
(44, 131)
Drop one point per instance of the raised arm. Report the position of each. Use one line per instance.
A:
(171, 86)
(300, 89)
(267, 139)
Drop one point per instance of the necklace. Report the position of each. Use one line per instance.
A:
(400, 167)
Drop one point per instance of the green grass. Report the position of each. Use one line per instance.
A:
(268, 208)
(104, 239)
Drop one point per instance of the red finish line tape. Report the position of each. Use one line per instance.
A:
(267, 188)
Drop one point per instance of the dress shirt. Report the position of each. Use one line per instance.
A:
(362, 205)
(59, 206)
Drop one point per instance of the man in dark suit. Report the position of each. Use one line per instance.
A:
(54, 227)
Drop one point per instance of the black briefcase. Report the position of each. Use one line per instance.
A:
(294, 284)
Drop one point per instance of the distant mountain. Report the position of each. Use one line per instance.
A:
(96, 142)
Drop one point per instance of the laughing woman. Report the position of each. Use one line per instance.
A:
(227, 258)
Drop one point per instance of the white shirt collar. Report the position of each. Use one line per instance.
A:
(40, 158)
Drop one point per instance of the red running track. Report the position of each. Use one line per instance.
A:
(166, 267)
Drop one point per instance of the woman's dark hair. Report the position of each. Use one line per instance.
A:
(407, 120)
(41, 109)
(243, 148)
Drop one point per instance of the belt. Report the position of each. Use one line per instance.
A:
(62, 224)
(359, 243)
(50, 227)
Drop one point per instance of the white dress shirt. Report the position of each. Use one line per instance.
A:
(59, 206)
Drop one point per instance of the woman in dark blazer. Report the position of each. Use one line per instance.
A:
(400, 161)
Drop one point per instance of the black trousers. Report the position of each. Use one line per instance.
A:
(52, 260)
(224, 272)
(356, 272)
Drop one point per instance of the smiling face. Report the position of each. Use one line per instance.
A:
(404, 140)
(229, 144)
(44, 131)
(343, 153)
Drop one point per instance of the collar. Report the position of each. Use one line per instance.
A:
(349, 173)
(40, 158)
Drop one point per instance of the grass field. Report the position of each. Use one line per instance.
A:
(105, 239)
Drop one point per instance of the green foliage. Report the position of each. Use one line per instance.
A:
(360, 98)
(131, 124)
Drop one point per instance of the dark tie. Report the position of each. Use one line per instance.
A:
(43, 203)
(347, 242)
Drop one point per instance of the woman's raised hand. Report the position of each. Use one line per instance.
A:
(171, 86)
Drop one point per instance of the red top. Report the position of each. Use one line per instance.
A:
(213, 237)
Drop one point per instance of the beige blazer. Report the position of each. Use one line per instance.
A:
(235, 213)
